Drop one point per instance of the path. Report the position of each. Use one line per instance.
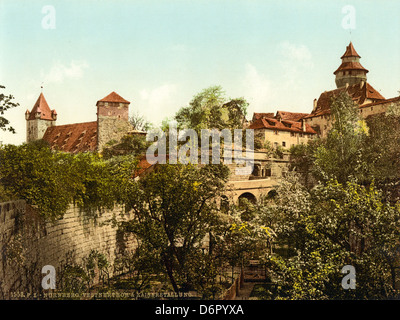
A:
(244, 292)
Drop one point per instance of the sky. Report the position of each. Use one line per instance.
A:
(158, 54)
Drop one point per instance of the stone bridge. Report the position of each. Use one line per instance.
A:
(251, 190)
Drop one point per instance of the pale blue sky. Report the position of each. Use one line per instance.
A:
(279, 55)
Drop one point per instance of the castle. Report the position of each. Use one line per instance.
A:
(283, 129)
(111, 125)
(287, 128)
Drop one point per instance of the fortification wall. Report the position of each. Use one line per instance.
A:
(28, 243)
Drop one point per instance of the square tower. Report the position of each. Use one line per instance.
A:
(112, 119)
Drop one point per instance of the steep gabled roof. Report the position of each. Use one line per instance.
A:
(73, 138)
(258, 115)
(350, 52)
(114, 97)
(41, 107)
(359, 94)
(293, 116)
(283, 125)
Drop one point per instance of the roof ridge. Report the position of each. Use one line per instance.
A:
(113, 97)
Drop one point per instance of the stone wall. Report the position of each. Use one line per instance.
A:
(28, 243)
(35, 129)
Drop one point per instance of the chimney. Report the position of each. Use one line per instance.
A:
(303, 125)
(314, 105)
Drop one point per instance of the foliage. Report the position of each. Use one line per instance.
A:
(173, 212)
(6, 103)
(210, 109)
(51, 180)
(331, 226)
(79, 278)
(131, 144)
(138, 267)
(139, 123)
(340, 157)
(381, 153)
(302, 158)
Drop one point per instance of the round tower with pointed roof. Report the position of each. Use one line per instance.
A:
(351, 71)
(112, 119)
(39, 119)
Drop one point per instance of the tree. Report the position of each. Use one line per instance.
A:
(131, 144)
(210, 109)
(6, 102)
(302, 158)
(331, 226)
(139, 123)
(174, 210)
(340, 156)
(381, 152)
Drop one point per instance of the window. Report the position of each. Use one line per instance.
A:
(276, 132)
(283, 144)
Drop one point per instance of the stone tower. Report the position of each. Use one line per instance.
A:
(350, 72)
(112, 119)
(39, 119)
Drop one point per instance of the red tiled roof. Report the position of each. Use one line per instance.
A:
(293, 116)
(350, 52)
(257, 116)
(283, 125)
(142, 167)
(351, 65)
(395, 99)
(357, 93)
(41, 107)
(74, 138)
(114, 97)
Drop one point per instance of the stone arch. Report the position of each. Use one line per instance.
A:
(272, 193)
(248, 196)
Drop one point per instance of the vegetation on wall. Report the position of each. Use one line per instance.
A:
(51, 181)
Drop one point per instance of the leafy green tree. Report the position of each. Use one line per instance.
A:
(132, 144)
(302, 158)
(210, 109)
(381, 152)
(340, 157)
(174, 210)
(6, 103)
(327, 228)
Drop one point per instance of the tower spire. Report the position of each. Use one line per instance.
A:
(39, 118)
(351, 71)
